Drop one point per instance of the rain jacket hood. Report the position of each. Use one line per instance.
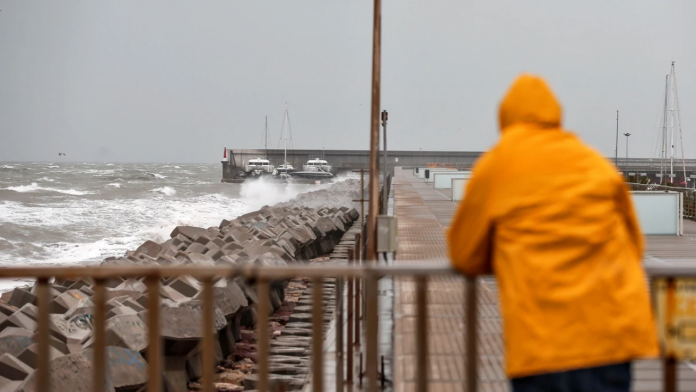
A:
(530, 102)
(552, 219)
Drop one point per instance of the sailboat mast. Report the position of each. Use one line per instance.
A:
(266, 138)
(285, 133)
(664, 132)
(681, 140)
(671, 133)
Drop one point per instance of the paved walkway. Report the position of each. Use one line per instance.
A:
(423, 215)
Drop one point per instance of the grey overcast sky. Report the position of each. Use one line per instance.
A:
(156, 80)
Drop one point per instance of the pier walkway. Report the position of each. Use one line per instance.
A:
(423, 215)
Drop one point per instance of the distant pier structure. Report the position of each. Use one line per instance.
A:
(634, 169)
(343, 161)
(658, 171)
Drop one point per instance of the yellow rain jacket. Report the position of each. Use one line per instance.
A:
(553, 220)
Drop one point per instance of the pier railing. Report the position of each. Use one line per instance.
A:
(689, 196)
(356, 276)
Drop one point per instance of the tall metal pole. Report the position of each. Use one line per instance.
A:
(374, 135)
(664, 132)
(627, 135)
(616, 150)
(266, 135)
(385, 169)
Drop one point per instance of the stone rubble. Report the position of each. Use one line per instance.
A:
(293, 232)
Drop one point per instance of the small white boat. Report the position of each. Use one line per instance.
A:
(257, 167)
(317, 165)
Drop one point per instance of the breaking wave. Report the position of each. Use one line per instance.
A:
(165, 190)
(34, 187)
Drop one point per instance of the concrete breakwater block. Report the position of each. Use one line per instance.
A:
(74, 372)
(287, 233)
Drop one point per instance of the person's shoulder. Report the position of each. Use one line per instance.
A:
(486, 161)
(600, 164)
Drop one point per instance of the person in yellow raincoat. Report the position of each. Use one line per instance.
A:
(552, 219)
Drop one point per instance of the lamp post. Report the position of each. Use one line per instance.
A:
(385, 117)
(627, 135)
(616, 148)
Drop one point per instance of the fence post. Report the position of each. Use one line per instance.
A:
(339, 334)
(471, 354)
(43, 382)
(349, 323)
(358, 296)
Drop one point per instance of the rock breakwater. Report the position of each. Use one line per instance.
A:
(293, 232)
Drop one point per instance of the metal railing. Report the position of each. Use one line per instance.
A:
(368, 275)
(689, 195)
(355, 274)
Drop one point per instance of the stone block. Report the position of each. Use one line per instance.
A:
(127, 368)
(13, 369)
(119, 311)
(21, 296)
(237, 235)
(228, 297)
(29, 354)
(196, 248)
(231, 246)
(80, 283)
(128, 371)
(19, 320)
(7, 310)
(183, 239)
(127, 331)
(14, 331)
(133, 305)
(194, 361)
(215, 254)
(175, 376)
(189, 232)
(219, 242)
(30, 310)
(15, 344)
(185, 285)
(171, 294)
(67, 300)
(184, 322)
(150, 248)
(133, 294)
(200, 259)
(202, 238)
(66, 331)
(132, 284)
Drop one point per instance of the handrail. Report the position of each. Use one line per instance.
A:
(355, 272)
(247, 271)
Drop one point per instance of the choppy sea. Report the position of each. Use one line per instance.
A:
(80, 213)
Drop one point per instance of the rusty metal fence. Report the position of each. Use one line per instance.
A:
(356, 275)
(365, 276)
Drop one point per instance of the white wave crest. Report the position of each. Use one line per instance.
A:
(115, 185)
(156, 175)
(46, 179)
(34, 187)
(7, 167)
(258, 193)
(165, 190)
(52, 167)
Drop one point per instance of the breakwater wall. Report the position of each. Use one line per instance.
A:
(293, 232)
